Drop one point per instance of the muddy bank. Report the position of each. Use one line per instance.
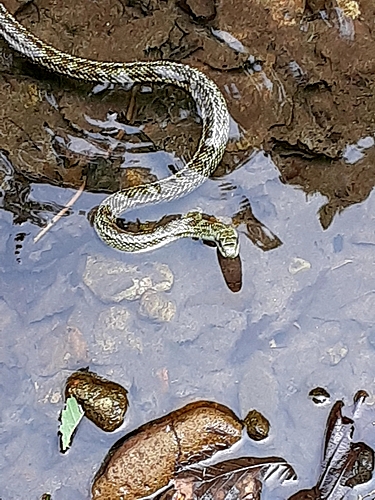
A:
(298, 78)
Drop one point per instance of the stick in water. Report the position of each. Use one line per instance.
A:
(63, 211)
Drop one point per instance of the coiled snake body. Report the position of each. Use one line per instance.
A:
(215, 129)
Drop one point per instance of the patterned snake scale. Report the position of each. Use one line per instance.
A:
(215, 129)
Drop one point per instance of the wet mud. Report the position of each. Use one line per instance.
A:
(298, 78)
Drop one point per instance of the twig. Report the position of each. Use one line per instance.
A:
(131, 108)
(63, 211)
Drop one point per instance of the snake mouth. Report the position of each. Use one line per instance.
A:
(229, 251)
(228, 242)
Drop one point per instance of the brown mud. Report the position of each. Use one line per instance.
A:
(298, 78)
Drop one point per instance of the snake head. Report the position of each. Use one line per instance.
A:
(228, 242)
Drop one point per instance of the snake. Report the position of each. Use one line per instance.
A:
(211, 107)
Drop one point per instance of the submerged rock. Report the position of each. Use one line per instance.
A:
(155, 306)
(257, 425)
(146, 460)
(319, 395)
(104, 402)
(113, 281)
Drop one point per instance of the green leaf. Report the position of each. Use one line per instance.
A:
(70, 417)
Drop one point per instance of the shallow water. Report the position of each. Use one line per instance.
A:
(165, 326)
(265, 347)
